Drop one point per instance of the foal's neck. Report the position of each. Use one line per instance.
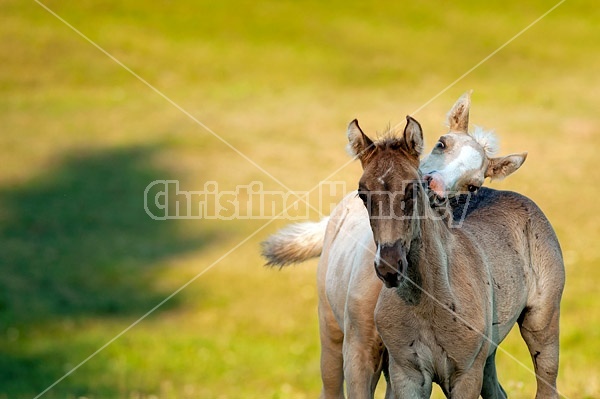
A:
(427, 270)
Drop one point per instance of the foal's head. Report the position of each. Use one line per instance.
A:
(391, 190)
(459, 162)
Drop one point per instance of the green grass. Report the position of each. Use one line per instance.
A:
(81, 138)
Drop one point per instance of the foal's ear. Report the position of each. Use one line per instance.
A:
(359, 144)
(501, 167)
(413, 136)
(458, 116)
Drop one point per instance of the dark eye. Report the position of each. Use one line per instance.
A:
(472, 188)
(440, 145)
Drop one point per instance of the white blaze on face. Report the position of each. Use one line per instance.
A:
(378, 256)
(468, 159)
(381, 179)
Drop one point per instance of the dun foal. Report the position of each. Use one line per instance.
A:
(453, 294)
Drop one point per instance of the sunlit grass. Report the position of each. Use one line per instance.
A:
(81, 138)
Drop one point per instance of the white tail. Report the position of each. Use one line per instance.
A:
(295, 243)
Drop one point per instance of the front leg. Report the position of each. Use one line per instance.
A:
(408, 382)
(468, 385)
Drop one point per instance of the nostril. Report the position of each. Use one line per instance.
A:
(392, 280)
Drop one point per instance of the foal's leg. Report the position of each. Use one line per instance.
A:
(408, 382)
(539, 329)
(363, 349)
(540, 319)
(332, 367)
(491, 388)
(362, 364)
(468, 385)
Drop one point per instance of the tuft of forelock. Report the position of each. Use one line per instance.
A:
(390, 132)
(389, 137)
(487, 139)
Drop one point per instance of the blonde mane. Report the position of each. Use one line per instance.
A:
(487, 139)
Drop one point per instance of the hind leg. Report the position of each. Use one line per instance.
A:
(491, 388)
(539, 329)
(332, 363)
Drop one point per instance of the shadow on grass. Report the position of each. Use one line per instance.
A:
(77, 243)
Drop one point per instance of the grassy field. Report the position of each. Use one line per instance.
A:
(81, 138)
